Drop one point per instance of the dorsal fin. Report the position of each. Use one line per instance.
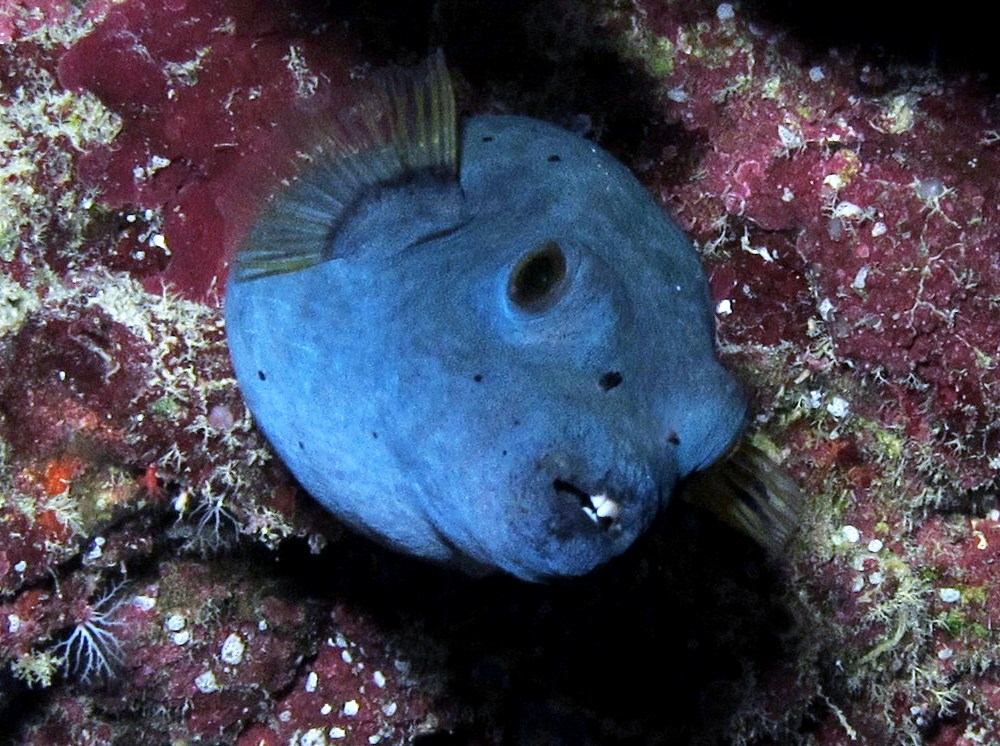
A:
(420, 103)
(406, 126)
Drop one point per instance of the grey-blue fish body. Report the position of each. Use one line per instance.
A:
(511, 368)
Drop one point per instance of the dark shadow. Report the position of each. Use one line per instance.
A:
(16, 701)
(551, 60)
(661, 646)
(954, 39)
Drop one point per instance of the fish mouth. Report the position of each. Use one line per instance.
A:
(600, 507)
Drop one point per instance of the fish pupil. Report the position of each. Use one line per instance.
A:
(536, 276)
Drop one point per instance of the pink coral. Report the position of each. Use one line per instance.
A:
(847, 210)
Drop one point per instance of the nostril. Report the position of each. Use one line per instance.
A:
(610, 380)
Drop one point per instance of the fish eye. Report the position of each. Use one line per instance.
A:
(536, 277)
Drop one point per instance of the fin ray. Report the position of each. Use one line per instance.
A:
(751, 493)
(406, 126)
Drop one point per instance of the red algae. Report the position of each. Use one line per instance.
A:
(351, 692)
(846, 208)
(200, 88)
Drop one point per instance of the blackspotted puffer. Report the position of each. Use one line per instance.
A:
(479, 341)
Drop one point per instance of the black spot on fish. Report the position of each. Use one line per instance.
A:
(610, 379)
(374, 435)
(261, 376)
(488, 138)
(478, 378)
(554, 158)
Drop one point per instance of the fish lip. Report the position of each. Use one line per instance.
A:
(600, 507)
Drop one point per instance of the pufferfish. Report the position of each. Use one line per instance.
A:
(478, 341)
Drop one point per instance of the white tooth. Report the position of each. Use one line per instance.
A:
(602, 506)
(605, 507)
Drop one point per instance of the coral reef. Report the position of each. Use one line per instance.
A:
(163, 580)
